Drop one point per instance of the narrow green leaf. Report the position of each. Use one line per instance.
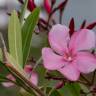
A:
(14, 65)
(24, 7)
(15, 39)
(27, 31)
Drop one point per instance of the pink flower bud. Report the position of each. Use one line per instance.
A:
(53, 2)
(83, 24)
(72, 26)
(31, 5)
(47, 6)
(62, 5)
(59, 85)
(91, 26)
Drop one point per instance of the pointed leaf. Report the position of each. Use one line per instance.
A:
(24, 7)
(27, 31)
(15, 39)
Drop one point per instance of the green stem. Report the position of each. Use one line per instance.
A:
(26, 81)
(37, 63)
(93, 77)
(51, 91)
(89, 83)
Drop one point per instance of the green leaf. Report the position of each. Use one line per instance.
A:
(24, 7)
(27, 31)
(14, 65)
(15, 39)
(70, 89)
(50, 91)
(3, 70)
(53, 92)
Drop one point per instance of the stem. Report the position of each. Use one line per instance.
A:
(89, 83)
(51, 91)
(93, 77)
(26, 81)
(37, 63)
(60, 17)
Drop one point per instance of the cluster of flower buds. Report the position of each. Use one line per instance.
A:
(84, 25)
(51, 9)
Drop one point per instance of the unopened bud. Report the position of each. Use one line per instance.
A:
(31, 5)
(53, 2)
(59, 85)
(47, 6)
(62, 5)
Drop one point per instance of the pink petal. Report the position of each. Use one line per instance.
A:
(34, 78)
(86, 62)
(83, 40)
(9, 84)
(32, 75)
(51, 61)
(70, 72)
(58, 38)
(28, 69)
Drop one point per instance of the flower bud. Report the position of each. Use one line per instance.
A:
(31, 5)
(53, 2)
(62, 5)
(47, 6)
(59, 85)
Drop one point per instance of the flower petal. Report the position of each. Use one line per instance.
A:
(86, 62)
(58, 38)
(9, 84)
(83, 40)
(51, 60)
(34, 78)
(70, 72)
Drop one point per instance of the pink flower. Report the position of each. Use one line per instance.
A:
(33, 77)
(70, 56)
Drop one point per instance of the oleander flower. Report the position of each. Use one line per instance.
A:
(70, 56)
(33, 77)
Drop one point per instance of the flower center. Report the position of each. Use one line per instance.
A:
(69, 56)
